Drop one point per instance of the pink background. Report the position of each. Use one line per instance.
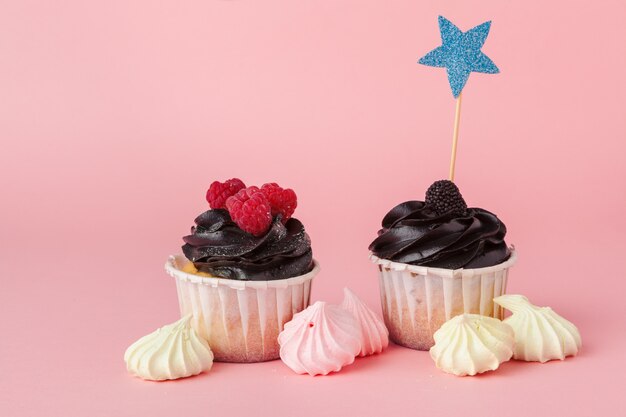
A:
(116, 115)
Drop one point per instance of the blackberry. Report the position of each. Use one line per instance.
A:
(444, 197)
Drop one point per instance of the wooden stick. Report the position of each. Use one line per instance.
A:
(455, 135)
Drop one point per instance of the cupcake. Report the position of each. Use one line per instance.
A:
(246, 269)
(437, 259)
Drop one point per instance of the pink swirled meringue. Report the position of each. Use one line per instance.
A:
(374, 334)
(321, 339)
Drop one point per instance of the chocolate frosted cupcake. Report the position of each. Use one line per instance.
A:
(438, 258)
(247, 268)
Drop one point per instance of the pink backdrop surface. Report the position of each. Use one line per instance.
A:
(116, 115)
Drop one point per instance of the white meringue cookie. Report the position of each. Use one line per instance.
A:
(540, 333)
(469, 344)
(172, 351)
(320, 339)
(374, 334)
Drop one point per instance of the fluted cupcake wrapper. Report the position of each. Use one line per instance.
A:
(417, 300)
(240, 320)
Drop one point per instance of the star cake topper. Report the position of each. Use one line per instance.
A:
(460, 53)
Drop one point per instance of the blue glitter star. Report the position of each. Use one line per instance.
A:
(460, 53)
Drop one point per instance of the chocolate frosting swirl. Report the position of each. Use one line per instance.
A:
(413, 233)
(219, 247)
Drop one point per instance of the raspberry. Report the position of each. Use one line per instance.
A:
(283, 201)
(444, 197)
(218, 192)
(251, 211)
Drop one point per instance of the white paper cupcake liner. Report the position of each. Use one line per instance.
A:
(241, 320)
(417, 300)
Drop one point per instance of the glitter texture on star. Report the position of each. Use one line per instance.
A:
(460, 53)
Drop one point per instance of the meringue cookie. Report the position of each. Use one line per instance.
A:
(374, 334)
(172, 351)
(470, 344)
(320, 339)
(540, 334)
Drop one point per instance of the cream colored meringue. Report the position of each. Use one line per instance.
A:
(172, 351)
(470, 344)
(540, 334)
(321, 339)
(374, 334)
